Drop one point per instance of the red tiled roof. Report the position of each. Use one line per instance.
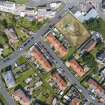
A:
(57, 45)
(41, 59)
(76, 67)
(60, 81)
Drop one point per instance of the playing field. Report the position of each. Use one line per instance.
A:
(73, 30)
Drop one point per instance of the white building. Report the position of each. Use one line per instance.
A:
(7, 6)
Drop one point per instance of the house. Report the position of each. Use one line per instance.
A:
(101, 57)
(97, 89)
(91, 43)
(20, 96)
(74, 65)
(9, 79)
(75, 101)
(40, 58)
(11, 35)
(61, 83)
(55, 43)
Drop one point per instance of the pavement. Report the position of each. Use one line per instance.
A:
(66, 72)
(35, 3)
(35, 39)
(4, 92)
(99, 9)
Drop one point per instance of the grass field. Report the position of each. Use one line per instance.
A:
(3, 39)
(73, 30)
(21, 1)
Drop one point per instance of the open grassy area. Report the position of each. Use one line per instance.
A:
(21, 60)
(70, 53)
(73, 30)
(32, 26)
(3, 40)
(21, 1)
(24, 76)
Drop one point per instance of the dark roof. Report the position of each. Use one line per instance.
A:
(103, 4)
(101, 57)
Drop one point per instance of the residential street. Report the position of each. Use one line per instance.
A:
(59, 64)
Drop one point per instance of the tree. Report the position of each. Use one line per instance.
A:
(89, 60)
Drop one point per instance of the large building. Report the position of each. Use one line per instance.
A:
(40, 58)
(61, 83)
(9, 79)
(20, 96)
(55, 43)
(74, 65)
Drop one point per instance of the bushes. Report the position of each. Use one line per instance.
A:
(96, 25)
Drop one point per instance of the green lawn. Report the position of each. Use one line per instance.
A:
(21, 1)
(70, 53)
(7, 52)
(21, 60)
(32, 26)
(24, 76)
(22, 35)
(3, 39)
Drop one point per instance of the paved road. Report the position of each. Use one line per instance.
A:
(99, 9)
(61, 66)
(35, 3)
(4, 92)
(36, 38)
(12, 58)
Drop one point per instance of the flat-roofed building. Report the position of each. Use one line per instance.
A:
(20, 96)
(40, 58)
(9, 79)
(74, 65)
(61, 83)
(55, 43)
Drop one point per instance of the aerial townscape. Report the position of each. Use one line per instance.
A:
(52, 52)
